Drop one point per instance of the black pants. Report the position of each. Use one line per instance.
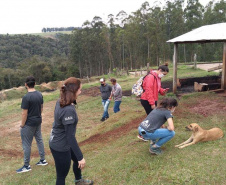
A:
(147, 106)
(63, 163)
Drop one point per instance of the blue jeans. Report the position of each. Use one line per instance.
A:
(162, 134)
(105, 104)
(116, 106)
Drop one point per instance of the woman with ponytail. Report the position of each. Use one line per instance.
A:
(152, 86)
(63, 144)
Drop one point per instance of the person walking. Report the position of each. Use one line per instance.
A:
(152, 86)
(116, 93)
(32, 107)
(105, 90)
(63, 144)
(150, 128)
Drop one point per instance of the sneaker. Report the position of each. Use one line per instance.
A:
(42, 163)
(24, 169)
(155, 150)
(102, 119)
(83, 182)
(141, 137)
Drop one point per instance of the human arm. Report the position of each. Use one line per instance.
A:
(111, 95)
(41, 108)
(170, 124)
(163, 91)
(69, 131)
(69, 120)
(24, 117)
(111, 90)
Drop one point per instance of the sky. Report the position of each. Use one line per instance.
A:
(30, 16)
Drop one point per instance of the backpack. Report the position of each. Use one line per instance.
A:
(137, 88)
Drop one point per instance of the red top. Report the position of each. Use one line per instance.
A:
(152, 86)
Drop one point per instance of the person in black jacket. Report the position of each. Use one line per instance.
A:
(63, 144)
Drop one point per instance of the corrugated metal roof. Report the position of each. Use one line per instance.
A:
(208, 33)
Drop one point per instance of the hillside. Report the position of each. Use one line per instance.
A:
(14, 49)
(112, 151)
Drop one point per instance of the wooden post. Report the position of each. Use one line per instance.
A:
(148, 68)
(223, 79)
(175, 68)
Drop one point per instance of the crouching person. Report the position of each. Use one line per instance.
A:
(151, 127)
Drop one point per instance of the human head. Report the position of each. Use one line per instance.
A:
(30, 82)
(102, 81)
(69, 91)
(113, 81)
(163, 70)
(168, 103)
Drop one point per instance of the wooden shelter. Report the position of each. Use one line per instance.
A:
(204, 34)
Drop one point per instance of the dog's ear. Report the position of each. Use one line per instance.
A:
(196, 128)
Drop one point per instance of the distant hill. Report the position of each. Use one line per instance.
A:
(44, 55)
(16, 48)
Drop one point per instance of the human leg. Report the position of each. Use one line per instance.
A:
(146, 105)
(77, 171)
(39, 141)
(27, 134)
(62, 164)
(143, 136)
(105, 104)
(164, 135)
(116, 106)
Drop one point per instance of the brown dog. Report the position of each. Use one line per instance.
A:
(200, 134)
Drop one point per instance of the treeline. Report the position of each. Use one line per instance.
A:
(45, 58)
(44, 30)
(130, 41)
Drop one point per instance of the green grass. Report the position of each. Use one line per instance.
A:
(125, 159)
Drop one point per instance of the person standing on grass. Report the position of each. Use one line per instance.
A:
(116, 93)
(152, 86)
(32, 105)
(105, 90)
(150, 128)
(63, 144)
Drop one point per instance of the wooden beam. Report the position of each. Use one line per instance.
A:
(215, 68)
(223, 78)
(175, 67)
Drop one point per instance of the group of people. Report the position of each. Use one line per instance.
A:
(107, 93)
(153, 128)
(63, 144)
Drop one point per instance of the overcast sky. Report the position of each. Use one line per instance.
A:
(30, 16)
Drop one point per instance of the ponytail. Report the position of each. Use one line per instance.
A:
(164, 67)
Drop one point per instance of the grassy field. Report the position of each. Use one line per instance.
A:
(113, 153)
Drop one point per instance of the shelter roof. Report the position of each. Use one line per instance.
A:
(208, 33)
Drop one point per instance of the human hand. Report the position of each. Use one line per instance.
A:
(152, 106)
(21, 125)
(81, 164)
(166, 90)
